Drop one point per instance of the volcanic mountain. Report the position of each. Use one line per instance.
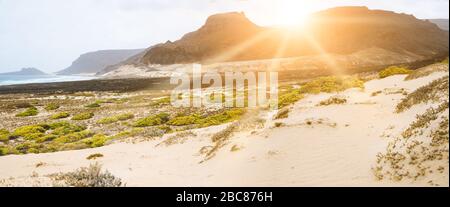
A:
(94, 62)
(341, 31)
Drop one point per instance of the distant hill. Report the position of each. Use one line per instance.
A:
(94, 62)
(441, 23)
(342, 31)
(26, 72)
(133, 60)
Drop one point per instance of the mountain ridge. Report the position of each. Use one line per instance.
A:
(340, 30)
(93, 62)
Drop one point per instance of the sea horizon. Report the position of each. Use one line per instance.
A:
(51, 78)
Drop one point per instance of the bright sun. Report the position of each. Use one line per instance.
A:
(293, 13)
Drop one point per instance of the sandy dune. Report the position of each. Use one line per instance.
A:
(332, 145)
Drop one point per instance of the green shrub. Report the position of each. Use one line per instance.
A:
(152, 120)
(4, 135)
(32, 111)
(60, 115)
(165, 128)
(289, 98)
(3, 150)
(161, 102)
(51, 107)
(93, 105)
(124, 117)
(327, 84)
(46, 138)
(97, 140)
(184, 120)
(28, 147)
(33, 136)
(114, 119)
(64, 128)
(83, 116)
(29, 131)
(393, 70)
(130, 133)
(330, 84)
(221, 118)
(56, 125)
(107, 120)
(73, 137)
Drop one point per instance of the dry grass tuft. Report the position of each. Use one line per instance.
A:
(91, 176)
(94, 156)
(426, 71)
(333, 101)
(431, 92)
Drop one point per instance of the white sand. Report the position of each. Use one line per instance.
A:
(338, 152)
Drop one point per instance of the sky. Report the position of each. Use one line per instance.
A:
(51, 34)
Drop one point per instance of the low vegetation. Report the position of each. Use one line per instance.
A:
(282, 114)
(289, 98)
(3, 150)
(32, 111)
(422, 152)
(91, 176)
(393, 70)
(57, 136)
(97, 140)
(130, 133)
(219, 139)
(93, 105)
(278, 124)
(116, 118)
(184, 120)
(333, 101)
(154, 120)
(94, 156)
(431, 92)
(51, 107)
(426, 71)
(60, 115)
(221, 118)
(178, 138)
(376, 93)
(235, 148)
(327, 84)
(161, 102)
(83, 116)
(4, 135)
(331, 84)
(424, 120)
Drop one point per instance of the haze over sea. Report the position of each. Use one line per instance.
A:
(24, 79)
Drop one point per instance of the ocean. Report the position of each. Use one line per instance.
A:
(23, 79)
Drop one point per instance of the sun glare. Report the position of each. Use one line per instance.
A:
(294, 13)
